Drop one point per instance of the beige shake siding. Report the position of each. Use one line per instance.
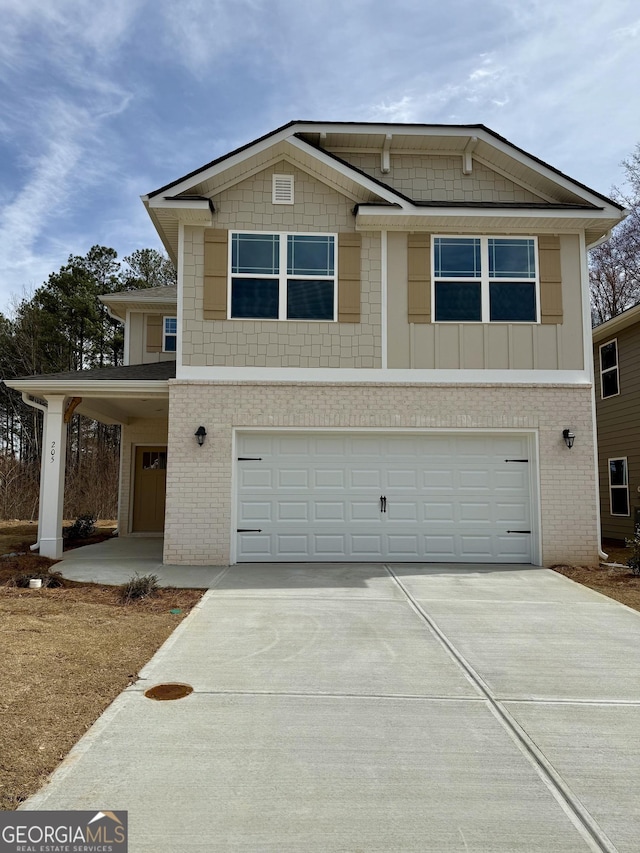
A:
(199, 492)
(436, 178)
(248, 343)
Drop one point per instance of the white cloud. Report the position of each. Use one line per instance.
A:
(102, 102)
(400, 111)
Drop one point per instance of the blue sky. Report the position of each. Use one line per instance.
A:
(103, 102)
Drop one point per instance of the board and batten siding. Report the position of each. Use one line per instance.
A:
(618, 421)
(493, 346)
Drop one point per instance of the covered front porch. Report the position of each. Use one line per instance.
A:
(134, 396)
(117, 560)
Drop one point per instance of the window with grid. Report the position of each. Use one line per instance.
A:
(282, 276)
(619, 486)
(485, 280)
(170, 334)
(609, 376)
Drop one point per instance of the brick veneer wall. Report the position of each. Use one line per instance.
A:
(199, 497)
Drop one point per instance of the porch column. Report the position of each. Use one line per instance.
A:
(54, 453)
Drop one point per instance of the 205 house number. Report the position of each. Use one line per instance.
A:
(52, 452)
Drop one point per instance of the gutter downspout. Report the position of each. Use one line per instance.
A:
(30, 401)
(589, 361)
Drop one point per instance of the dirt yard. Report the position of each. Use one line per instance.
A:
(66, 653)
(617, 582)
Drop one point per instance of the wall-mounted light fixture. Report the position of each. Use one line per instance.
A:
(569, 437)
(200, 434)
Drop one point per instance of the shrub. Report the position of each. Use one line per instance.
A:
(22, 579)
(82, 527)
(139, 587)
(634, 560)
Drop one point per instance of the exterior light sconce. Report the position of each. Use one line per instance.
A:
(569, 437)
(200, 434)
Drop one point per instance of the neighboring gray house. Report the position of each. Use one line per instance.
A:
(616, 356)
(384, 332)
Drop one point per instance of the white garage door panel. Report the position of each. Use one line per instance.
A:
(317, 497)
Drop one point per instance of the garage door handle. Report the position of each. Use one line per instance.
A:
(518, 531)
(249, 530)
(383, 503)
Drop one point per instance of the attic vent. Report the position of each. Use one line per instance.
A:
(282, 189)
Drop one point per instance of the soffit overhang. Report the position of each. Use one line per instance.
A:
(595, 223)
(320, 149)
(160, 299)
(110, 402)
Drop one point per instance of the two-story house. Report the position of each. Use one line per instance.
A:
(378, 344)
(616, 355)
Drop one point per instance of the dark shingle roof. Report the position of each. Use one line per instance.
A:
(159, 371)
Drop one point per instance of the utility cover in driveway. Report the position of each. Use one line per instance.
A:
(375, 496)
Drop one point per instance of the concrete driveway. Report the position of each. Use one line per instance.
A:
(362, 708)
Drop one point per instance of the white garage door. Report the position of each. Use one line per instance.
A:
(371, 497)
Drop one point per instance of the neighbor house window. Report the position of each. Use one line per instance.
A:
(619, 486)
(283, 276)
(170, 332)
(609, 378)
(485, 279)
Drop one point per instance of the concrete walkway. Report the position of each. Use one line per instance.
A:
(378, 709)
(116, 560)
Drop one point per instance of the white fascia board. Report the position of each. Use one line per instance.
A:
(132, 297)
(480, 133)
(352, 174)
(507, 212)
(338, 376)
(180, 204)
(88, 388)
(549, 173)
(228, 162)
(288, 136)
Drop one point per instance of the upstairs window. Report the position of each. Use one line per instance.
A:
(485, 280)
(619, 486)
(169, 335)
(282, 276)
(609, 377)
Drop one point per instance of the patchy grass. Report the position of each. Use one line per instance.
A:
(20, 535)
(66, 653)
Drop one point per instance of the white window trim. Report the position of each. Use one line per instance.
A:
(484, 279)
(616, 367)
(282, 276)
(622, 486)
(164, 333)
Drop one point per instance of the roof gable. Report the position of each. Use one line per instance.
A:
(344, 155)
(482, 143)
